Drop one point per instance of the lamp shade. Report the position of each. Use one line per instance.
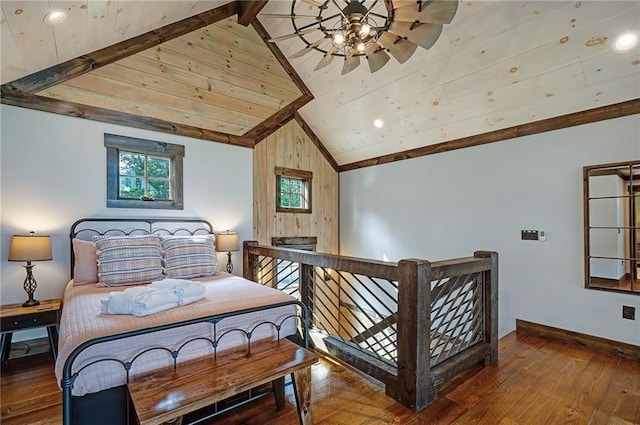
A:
(30, 248)
(227, 242)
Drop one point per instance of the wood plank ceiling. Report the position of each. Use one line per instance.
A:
(221, 77)
(501, 69)
(212, 78)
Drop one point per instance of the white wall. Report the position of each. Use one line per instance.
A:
(449, 205)
(53, 171)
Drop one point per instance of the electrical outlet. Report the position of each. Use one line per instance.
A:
(628, 312)
(529, 235)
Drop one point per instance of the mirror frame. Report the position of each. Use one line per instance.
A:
(629, 171)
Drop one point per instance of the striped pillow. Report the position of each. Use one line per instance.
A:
(125, 260)
(186, 257)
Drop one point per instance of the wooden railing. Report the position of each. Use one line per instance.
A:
(414, 325)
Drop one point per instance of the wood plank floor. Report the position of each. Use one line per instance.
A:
(536, 381)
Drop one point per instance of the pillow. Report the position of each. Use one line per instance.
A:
(85, 266)
(186, 257)
(125, 260)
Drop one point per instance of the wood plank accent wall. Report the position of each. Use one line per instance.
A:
(291, 147)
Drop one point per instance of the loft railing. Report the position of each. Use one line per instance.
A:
(414, 325)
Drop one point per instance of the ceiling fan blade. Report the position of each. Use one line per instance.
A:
(350, 63)
(286, 15)
(292, 35)
(312, 3)
(308, 48)
(399, 48)
(433, 12)
(424, 35)
(339, 8)
(373, 5)
(327, 59)
(376, 56)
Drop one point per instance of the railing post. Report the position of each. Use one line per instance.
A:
(490, 307)
(307, 277)
(248, 261)
(414, 324)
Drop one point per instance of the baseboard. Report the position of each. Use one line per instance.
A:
(595, 343)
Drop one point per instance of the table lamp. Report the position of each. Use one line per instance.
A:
(30, 248)
(227, 242)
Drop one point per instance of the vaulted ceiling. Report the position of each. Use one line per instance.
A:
(496, 69)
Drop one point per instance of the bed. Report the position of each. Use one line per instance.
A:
(99, 352)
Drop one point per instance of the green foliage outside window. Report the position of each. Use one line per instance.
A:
(144, 175)
(292, 193)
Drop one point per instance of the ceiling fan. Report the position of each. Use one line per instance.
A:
(373, 29)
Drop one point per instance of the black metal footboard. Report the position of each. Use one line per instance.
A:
(71, 373)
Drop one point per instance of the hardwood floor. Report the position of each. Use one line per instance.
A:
(536, 381)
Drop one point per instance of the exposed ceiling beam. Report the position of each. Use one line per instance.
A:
(41, 103)
(248, 10)
(602, 113)
(316, 141)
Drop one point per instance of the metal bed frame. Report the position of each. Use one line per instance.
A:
(86, 226)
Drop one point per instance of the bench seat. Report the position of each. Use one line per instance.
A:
(165, 394)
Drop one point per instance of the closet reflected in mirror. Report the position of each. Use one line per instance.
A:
(612, 226)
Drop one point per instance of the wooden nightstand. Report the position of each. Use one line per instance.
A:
(14, 317)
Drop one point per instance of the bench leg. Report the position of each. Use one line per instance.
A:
(278, 392)
(302, 388)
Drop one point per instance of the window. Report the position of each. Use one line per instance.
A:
(293, 190)
(143, 173)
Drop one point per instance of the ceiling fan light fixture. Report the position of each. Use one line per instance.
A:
(624, 42)
(55, 17)
(365, 30)
(374, 30)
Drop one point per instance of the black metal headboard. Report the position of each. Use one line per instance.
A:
(86, 228)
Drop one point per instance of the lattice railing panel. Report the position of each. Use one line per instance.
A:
(456, 315)
(367, 310)
(360, 310)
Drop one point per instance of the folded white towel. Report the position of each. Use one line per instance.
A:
(182, 287)
(118, 302)
(153, 301)
(145, 300)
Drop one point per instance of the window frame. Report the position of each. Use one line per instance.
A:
(114, 144)
(627, 209)
(305, 176)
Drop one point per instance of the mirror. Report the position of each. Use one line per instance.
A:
(612, 226)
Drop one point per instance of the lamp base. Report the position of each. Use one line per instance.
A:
(30, 286)
(30, 303)
(229, 264)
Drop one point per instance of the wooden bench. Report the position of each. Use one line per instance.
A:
(167, 394)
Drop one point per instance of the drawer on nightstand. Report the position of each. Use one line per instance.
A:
(26, 321)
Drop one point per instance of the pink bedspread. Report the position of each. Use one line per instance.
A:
(82, 321)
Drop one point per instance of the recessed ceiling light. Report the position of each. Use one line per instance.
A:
(378, 123)
(624, 42)
(55, 17)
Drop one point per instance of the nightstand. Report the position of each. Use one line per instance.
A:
(14, 317)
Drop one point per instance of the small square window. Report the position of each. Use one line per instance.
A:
(293, 190)
(143, 173)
